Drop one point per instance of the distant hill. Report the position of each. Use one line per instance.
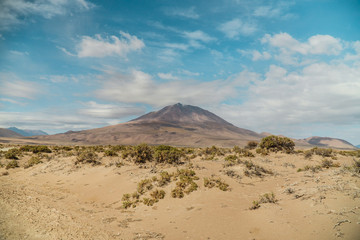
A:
(329, 142)
(178, 125)
(4, 132)
(26, 132)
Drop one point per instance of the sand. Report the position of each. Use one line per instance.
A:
(60, 200)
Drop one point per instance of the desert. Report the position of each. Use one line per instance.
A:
(163, 192)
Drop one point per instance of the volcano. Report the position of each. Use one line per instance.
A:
(177, 125)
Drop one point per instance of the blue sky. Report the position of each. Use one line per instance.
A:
(285, 67)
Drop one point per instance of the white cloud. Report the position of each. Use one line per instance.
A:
(320, 93)
(13, 11)
(139, 87)
(198, 36)
(100, 47)
(179, 46)
(12, 86)
(109, 111)
(317, 44)
(167, 76)
(236, 27)
(182, 12)
(267, 11)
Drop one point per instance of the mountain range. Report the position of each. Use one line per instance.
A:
(177, 125)
(27, 132)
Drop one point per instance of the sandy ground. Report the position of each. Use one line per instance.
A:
(60, 200)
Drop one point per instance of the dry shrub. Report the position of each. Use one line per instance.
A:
(275, 143)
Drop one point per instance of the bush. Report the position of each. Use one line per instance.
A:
(253, 169)
(33, 161)
(167, 154)
(12, 154)
(12, 164)
(356, 166)
(87, 156)
(35, 149)
(324, 152)
(276, 143)
(143, 153)
(251, 145)
(110, 153)
(216, 182)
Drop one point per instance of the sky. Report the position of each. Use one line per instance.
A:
(285, 67)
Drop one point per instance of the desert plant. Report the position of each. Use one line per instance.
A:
(216, 182)
(167, 154)
(262, 151)
(110, 153)
(268, 198)
(33, 161)
(356, 166)
(253, 169)
(251, 145)
(12, 164)
(326, 163)
(255, 205)
(144, 186)
(88, 156)
(324, 152)
(276, 143)
(12, 153)
(157, 194)
(142, 154)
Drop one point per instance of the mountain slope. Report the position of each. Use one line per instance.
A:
(179, 125)
(4, 132)
(329, 142)
(27, 132)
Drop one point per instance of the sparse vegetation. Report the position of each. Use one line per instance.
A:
(216, 182)
(87, 156)
(12, 164)
(255, 170)
(265, 198)
(12, 154)
(33, 161)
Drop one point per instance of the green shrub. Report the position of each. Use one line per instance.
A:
(12, 154)
(167, 154)
(142, 154)
(276, 143)
(12, 164)
(35, 149)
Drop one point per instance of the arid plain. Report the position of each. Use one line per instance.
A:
(109, 192)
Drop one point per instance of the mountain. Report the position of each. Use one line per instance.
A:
(178, 125)
(4, 132)
(329, 142)
(26, 132)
